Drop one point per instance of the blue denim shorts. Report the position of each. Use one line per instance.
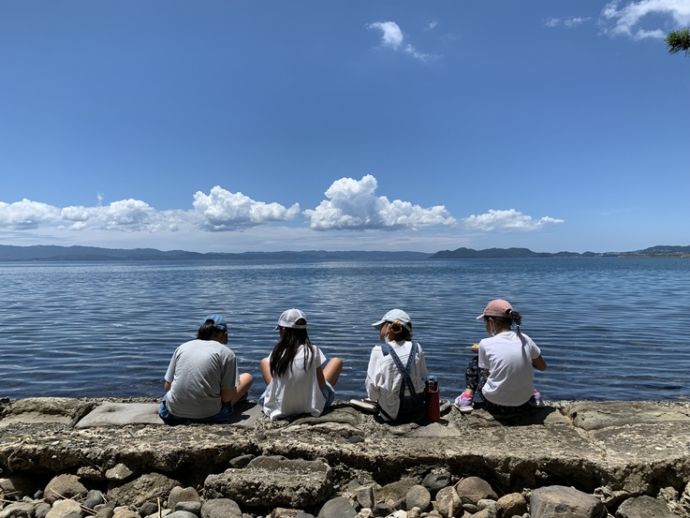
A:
(223, 416)
(329, 393)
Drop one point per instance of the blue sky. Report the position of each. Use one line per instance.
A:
(360, 125)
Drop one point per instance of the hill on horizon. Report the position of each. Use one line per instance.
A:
(496, 253)
(90, 253)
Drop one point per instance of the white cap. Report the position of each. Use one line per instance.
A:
(290, 317)
(396, 315)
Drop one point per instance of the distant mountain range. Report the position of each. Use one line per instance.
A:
(495, 253)
(89, 253)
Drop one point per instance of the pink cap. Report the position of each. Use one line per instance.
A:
(497, 308)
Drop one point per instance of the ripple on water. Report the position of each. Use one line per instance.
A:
(604, 325)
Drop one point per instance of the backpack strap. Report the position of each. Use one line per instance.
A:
(404, 370)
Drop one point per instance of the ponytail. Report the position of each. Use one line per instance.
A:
(399, 332)
(506, 322)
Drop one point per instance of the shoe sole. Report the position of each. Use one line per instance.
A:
(464, 409)
(364, 406)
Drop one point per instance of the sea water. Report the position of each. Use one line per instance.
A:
(609, 328)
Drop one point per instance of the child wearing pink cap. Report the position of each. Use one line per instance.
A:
(500, 377)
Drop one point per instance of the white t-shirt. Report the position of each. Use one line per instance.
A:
(198, 370)
(384, 379)
(297, 391)
(509, 362)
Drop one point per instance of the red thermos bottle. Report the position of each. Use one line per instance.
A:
(433, 402)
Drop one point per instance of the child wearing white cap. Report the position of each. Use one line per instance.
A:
(299, 379)
(397, 369)
(500, 377)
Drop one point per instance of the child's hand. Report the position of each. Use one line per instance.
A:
(474, 348)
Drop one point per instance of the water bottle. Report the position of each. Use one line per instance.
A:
(433, 402)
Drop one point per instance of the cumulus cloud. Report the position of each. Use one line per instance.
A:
(569, 23)
(392, 37)
(510, 219)
(122, 215)
(629, 19)
(127, 215)
(353, 204)
(224, 210)
(26, 214)
(219, 210)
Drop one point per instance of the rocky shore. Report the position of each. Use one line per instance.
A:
(69, 458)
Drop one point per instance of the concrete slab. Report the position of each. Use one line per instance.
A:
(120, 414)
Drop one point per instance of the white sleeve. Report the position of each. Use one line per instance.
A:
(370, 383)
(170, 373)
(483, 361)
(422, 364)
(322, 360)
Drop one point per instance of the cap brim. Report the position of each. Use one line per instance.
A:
(294, 326)
(480, 317)
(377, 324)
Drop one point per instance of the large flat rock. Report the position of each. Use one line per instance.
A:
(584, 444)
(120, 414)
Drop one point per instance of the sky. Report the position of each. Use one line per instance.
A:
(235, 126)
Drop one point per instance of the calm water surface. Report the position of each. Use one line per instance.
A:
(608, 327)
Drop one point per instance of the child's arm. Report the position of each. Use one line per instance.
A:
(539, 363)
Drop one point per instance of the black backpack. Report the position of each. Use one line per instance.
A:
(412, 405)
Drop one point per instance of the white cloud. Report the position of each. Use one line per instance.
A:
(409, 49)
(224, 210)
(392, 37)
(218, 210)
(127, 215)
(26, 214)
(431, 25)
(575, 21)
(510, 219)
(627, 20)
(353, 204)
(569, 23)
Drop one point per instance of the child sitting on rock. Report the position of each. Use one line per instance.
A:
(299, 379)
(500, 377)
(397, 369)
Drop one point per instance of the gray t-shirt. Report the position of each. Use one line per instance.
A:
(197, 371)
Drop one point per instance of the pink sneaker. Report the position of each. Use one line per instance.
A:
(464, 402)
